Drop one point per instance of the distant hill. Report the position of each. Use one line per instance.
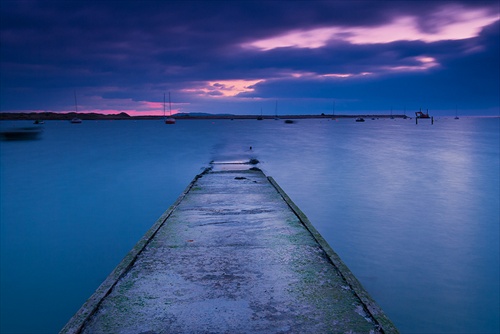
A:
(200, 114)
(61, 116)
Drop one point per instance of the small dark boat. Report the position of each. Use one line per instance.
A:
(24, 133)
(360, 119)
(289, 121)
(38, 121)
(260, 118)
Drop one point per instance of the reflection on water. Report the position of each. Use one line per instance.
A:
(412, 209)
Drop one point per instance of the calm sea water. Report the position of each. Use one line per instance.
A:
(413, 210)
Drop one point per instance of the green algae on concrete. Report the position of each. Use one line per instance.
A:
(232, 255)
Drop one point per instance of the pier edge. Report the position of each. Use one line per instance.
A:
(385, 324)
(77, 322)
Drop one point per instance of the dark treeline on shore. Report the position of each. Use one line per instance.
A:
(125, 116)
(61, 116)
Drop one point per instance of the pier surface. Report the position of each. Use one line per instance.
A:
(232, 255)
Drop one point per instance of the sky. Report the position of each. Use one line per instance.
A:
(250, 57)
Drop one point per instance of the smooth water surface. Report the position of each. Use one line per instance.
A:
(413, 210)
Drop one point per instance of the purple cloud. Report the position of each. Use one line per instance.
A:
(127, 54)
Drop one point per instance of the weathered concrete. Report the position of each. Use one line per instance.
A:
(232, 255)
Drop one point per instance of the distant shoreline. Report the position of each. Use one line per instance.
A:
(47, 116)
(124, 116)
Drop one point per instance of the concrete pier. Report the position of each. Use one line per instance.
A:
(232, 255)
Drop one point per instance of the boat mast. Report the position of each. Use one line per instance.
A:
(169, 105)
(169, 119)
(76, 104)
(333, 111)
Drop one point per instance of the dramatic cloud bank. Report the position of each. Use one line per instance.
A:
(238, 57)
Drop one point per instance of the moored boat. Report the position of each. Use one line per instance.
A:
(75, 120)
(170, 119)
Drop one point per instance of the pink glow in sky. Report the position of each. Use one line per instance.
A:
(223, 88)
(116, 106)
(153, 108)
(453, 23)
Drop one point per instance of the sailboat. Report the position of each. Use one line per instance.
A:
(260, 118)
(76, 120)
(456, 113)
(170, 119)
(276, 118)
